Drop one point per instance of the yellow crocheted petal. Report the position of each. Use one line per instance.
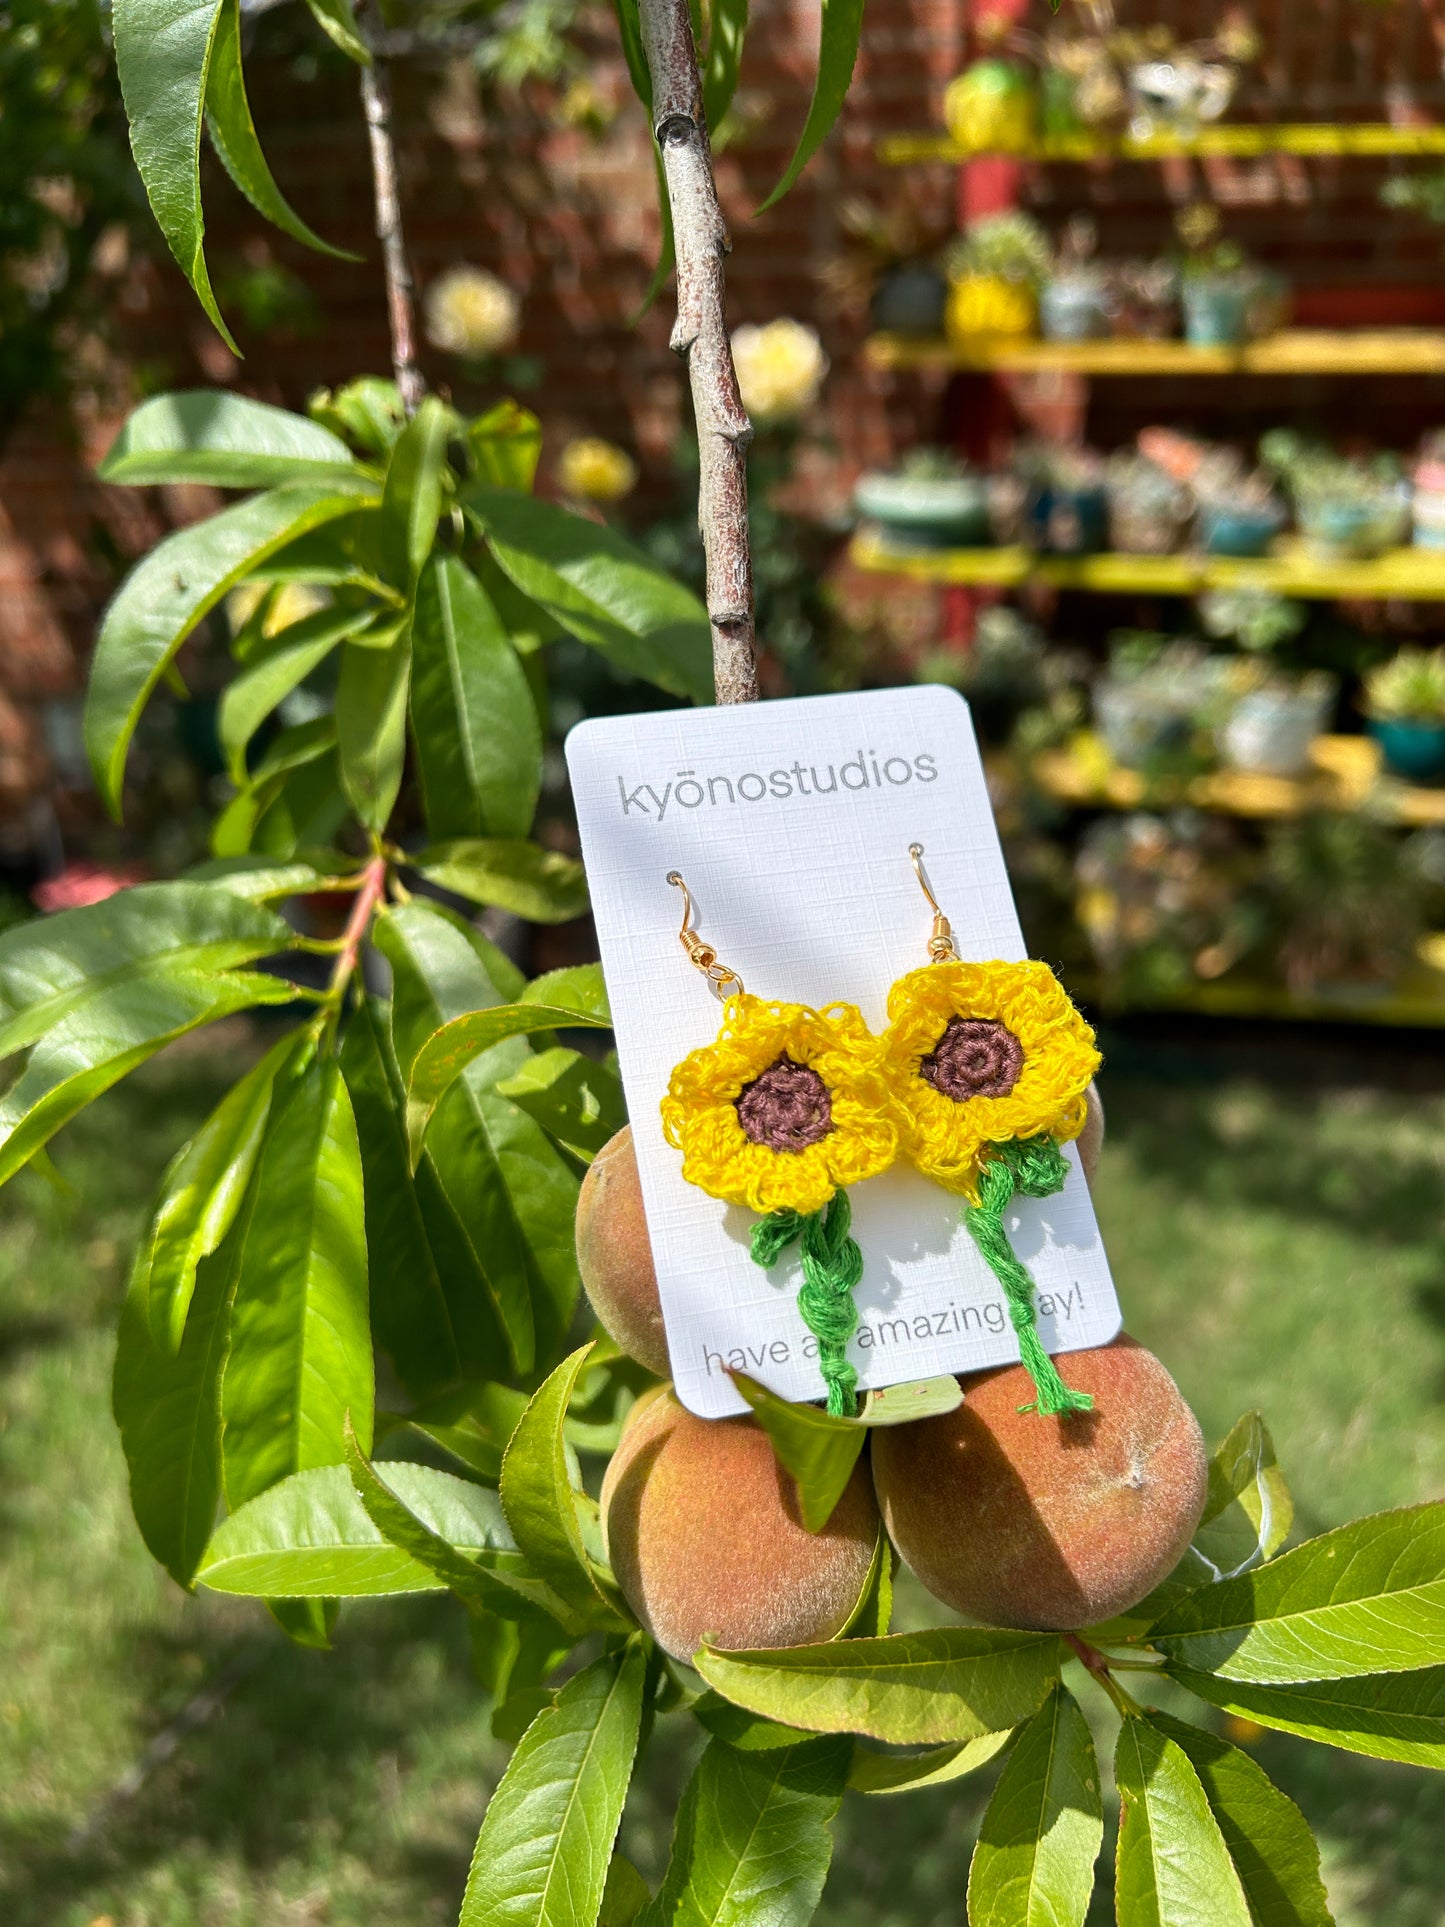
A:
(945, 1137)
(699, 1113)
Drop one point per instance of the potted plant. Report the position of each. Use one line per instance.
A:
(1158, 702)
(993, 108)
(1177, 86)
(1146, 300)
(994, 272)
(1076, 298)
(1428, 500)
(886, 265)
(1065, 503)
(1274, 718)
(1404, 700)
(930, 501)
(1148, 510)
(1348, 507)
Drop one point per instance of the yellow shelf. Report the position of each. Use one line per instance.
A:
(1239, 141)
(1345, 774)
(1408, 575)
(1292, 351)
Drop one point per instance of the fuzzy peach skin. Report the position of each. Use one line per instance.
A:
(1050, 1524)
(702, 1528)
(614, 1253)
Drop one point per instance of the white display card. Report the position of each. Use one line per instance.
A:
(791, 823)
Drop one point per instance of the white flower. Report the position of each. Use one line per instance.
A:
(780, 369)
(470, 312)
(595, 470)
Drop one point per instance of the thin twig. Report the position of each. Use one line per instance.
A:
(400, 289)
(700, 336)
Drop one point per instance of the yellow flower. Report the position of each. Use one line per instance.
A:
(787, 1107)
(780, 369)
(470, 312)
(977, 1053)
(597, 471)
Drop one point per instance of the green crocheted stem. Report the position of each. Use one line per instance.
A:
(832, 1268)
(1037, 1168)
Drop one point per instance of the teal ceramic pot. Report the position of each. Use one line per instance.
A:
(910, 300)
(1227, 530)
(1415, 751)
(1216, 312)
(918, 512)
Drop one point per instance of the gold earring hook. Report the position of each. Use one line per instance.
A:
(701, 955)
(940, 943)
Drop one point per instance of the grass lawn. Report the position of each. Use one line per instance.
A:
(1275, 1225)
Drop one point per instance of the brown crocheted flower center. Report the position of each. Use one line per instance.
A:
(975, 1057)
(787, 1109)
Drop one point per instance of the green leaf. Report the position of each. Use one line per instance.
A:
(494, 1192)
(202, 1192)
(449, 1051)
(478, 739)
(541, 885)
(729, 25)
(742, 1729)
(162, 54)
(53, 966)
(543, 1853)
(401, 1527)
(1273, 1850)
(310, 1537)
(629, 28)
(96, 1045)
(624, 1896)
(1172, 1867)
(600, 589)
(1034, 1862)
(412, 1313)
(1249, 1510)
(950, 1683)
(902, 1772)
(371, 726)
(537, 1495)
(257, 880)
(842, 24)
(270, 677)
(300, 1357)
(818, 1450)
(1393, 1716)
(1366, 1598)
(577, 1101)
(753, 1837)
(233, 132)
(338, 23)
(505, 446)
(412, 500)
(293, 778)
(207, 435)
(167, 594)
(168, 1409)
(473, 1424)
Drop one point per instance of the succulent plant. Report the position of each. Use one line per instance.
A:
(1012, 246)
(1409, 688)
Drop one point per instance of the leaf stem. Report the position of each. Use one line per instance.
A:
(1097, 1665)
(369, 896)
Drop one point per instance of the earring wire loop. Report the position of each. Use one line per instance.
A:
(702, 955)
(940, 943)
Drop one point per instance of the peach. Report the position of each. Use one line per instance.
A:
(614, 1254)
(702, 1527)
(1051, 1524)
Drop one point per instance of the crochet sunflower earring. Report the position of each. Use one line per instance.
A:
(785, 1110)
(988, 1064)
